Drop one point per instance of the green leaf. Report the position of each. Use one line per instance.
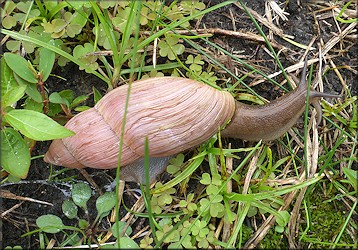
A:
(33, 105)
(57, 98)
(8, 22)
(106, 202)
(9, 7)
(10, 90)
(36, 126)
(107, 4)
(15, 155)
(49, 223)
(121, 225)
(96, 95)
(31, 89)
(81, 193)
(83, 224)
(69, 209)
(47, 59)
(68, 95)
(20, 66)
(81, 53)
(78, 100)
(128, 243)
(82, 108)
(120, 20)
(12, 96)
(351, 176)
(283, 219)
(205, 179)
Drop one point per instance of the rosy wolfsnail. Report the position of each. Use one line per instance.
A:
(175, 114)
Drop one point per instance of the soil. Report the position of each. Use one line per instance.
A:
(53, 185)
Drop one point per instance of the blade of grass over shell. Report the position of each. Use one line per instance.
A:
(146, 192)
(55, 49)
(120, 149)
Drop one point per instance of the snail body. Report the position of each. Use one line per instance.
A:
(175, 114)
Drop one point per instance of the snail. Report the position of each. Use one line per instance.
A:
(175, 114)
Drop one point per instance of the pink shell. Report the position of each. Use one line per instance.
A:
(175, 114)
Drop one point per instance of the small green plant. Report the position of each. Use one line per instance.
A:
(86, 231)
(21, 80)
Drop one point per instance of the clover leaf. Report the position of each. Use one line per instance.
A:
(170, 47)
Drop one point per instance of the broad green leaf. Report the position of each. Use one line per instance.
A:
(47, 59)
(68, 95)
(121, 227)
(49, 223)
(106, 202)
(31, 89)
(8, 22)
(20, 66)
(279, 229)
(54, 109)
(35, 125)
(15, 155)
(124, 243)
(10, 90)
(284, 219)
(9, 7)
(351, 176)
(128, 243)
(7, 78)
(107, 4)
(33, 105)
(83, 224)
(57, 98)
(81, 193)
(69, 209)
(120, 20)
(12, 96)
(81, 53)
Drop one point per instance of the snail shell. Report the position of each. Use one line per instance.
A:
(175, 114)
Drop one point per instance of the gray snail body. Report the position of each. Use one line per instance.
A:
(176, 114)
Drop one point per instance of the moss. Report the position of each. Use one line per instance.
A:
(327, 221)
(274, 240)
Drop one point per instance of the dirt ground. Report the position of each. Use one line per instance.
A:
(53, 185)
